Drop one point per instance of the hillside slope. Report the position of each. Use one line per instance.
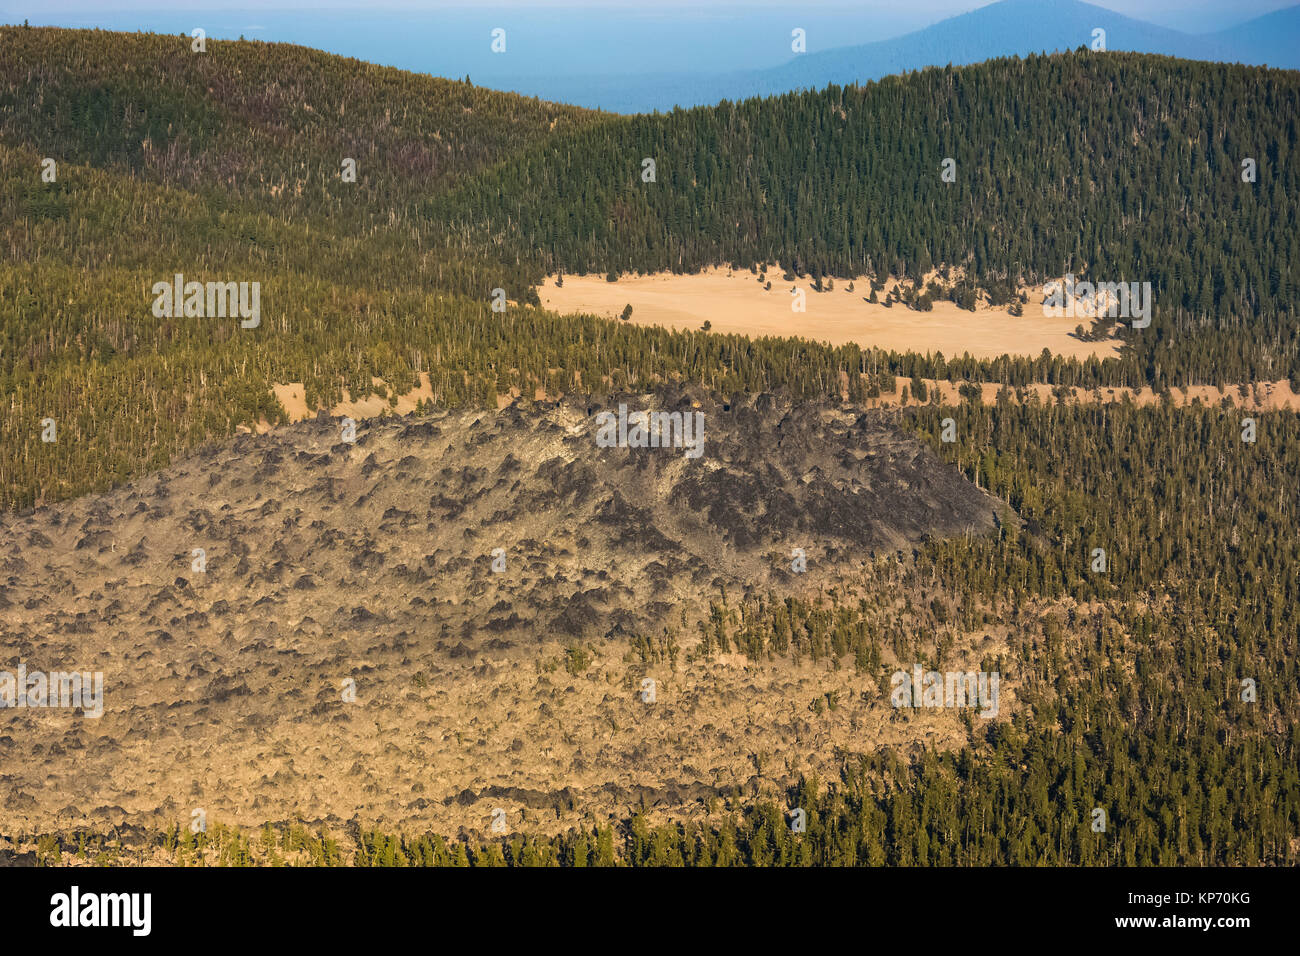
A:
(264, 123)
(325, 561)
(225, 167)
(1118, 167)
(397, 280)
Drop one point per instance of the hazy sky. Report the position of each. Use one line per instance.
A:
(1169, 12)
(570, 36)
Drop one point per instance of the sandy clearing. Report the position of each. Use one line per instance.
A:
(1261, 396)
(735, 301)
(293, 398)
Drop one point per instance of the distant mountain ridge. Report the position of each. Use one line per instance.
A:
(1009, 28)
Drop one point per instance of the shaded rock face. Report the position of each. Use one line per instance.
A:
(776, 474)
(434, 571)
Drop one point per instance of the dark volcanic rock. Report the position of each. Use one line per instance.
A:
(402, 564)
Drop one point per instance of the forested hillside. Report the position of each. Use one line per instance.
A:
(226, 165)
(1120, 167)
(267, 123)
(1132, 684)
(156, 174)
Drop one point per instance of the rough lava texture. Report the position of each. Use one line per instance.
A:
(371, 563)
